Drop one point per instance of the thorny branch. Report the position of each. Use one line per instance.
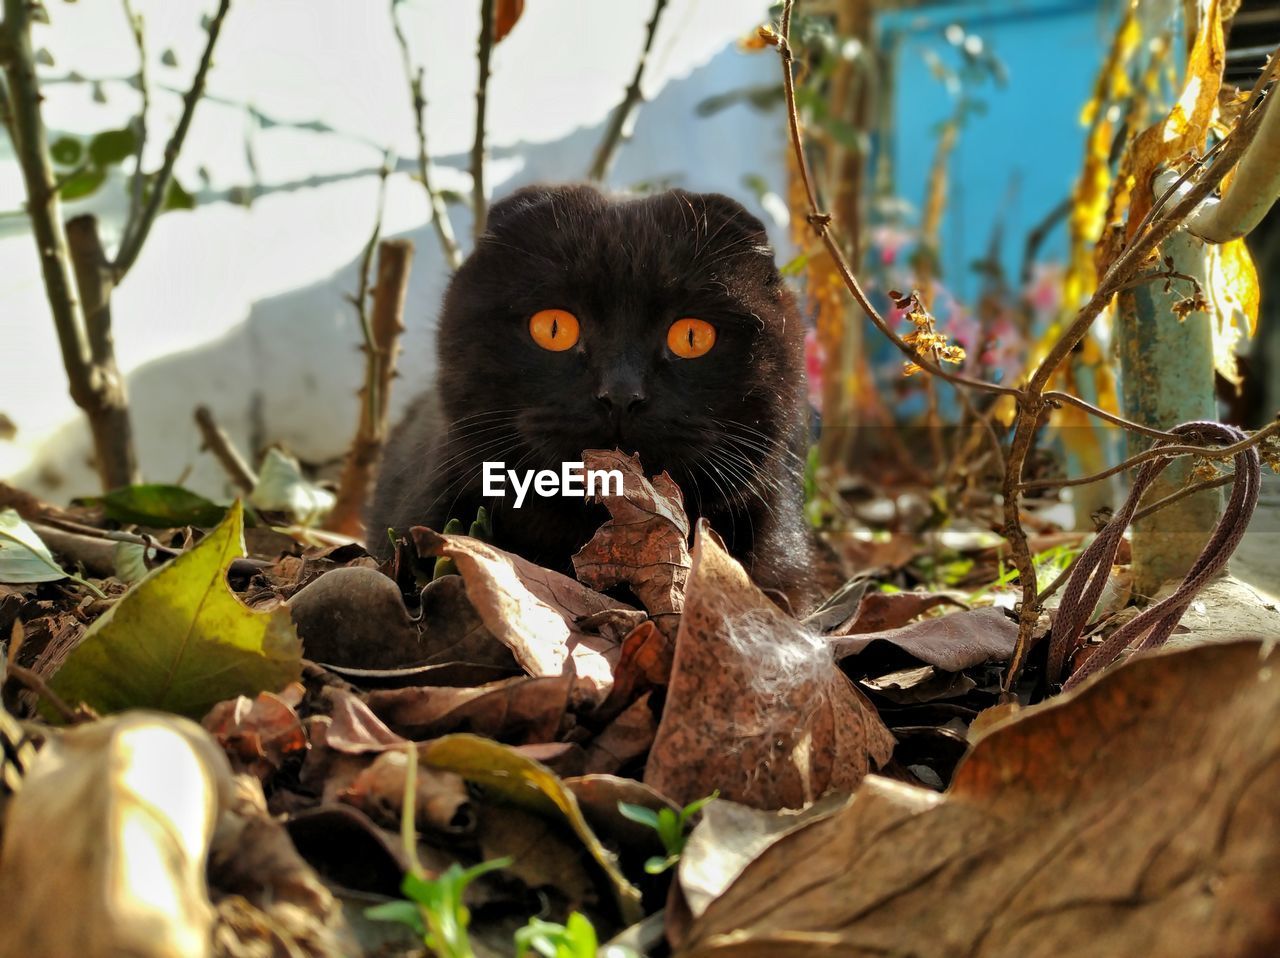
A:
(624, 115)
(479, 205)
(415, 77)
(1032, 400)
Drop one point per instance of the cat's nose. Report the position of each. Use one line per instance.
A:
(619, 402)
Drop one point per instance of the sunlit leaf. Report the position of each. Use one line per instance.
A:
(282, 488)
(180, 640)
(1233, 294)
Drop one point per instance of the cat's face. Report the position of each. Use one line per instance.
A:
(658, 325)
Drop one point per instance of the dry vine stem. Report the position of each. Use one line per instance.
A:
(1033, 400)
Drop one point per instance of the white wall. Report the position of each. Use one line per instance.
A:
(244, 308)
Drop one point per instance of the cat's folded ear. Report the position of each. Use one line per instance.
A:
(542, 201)
(724, 220)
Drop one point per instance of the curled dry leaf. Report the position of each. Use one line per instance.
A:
(1134, 816)
(645, 543)
(756, 707)
(951, 642)
(441, 803)
(104, 846)
(257, 734)
(533, 611)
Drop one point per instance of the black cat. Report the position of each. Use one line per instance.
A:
(659, 325)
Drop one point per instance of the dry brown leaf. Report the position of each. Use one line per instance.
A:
(505, 15)
(624, 739)
(889, 610)
(269, 897)
(354, 728)
(533, 611)
(952, 642)
(644, 545)
(1135, 816)
(756, 707)
(518, 710)
(441, 803)
(257, 734)
(645, 662)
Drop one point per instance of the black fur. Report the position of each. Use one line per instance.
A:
(730, 427)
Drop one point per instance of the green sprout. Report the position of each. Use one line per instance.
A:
(670, 826)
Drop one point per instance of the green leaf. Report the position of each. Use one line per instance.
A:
(23, 555)
(404, 912)
(520, 780)
(639, 814)
(670, 832)
(24, 558)
(113, 146)
(282, 488)
(82, 184)
(444, 565)
(657, 864)
(66, 151)
(177, 198)
(159, 505)
(180, 641)
(694, 807)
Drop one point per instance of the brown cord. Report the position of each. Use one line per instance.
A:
(1156, 623)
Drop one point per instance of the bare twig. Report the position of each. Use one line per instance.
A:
(479, 204)
(1160, 452)
(417, 89)
(40, 687)
(623, 116)
(136, 230)
(224, 450)
(385, 327)
(138, 187)
(1054, 396)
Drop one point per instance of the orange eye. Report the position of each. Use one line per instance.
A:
(691, 338)
(554, 329)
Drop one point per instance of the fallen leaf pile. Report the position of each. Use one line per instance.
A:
(525, 715)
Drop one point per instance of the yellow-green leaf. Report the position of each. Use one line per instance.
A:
(181, 641)
(522, 781)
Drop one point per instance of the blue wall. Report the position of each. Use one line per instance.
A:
(1052, 50)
